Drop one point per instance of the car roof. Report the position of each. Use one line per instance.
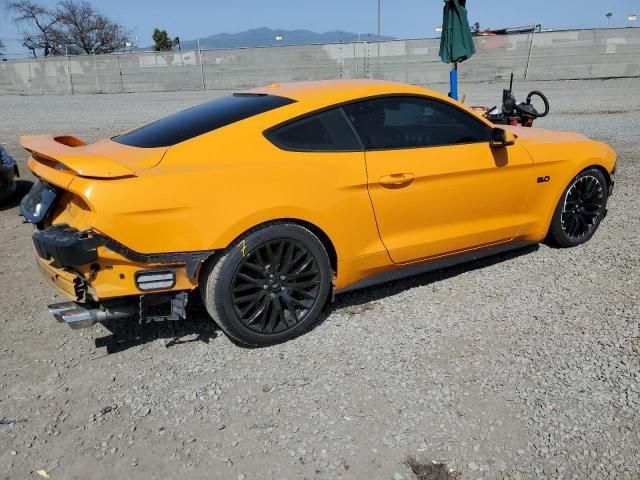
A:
(337, 91)
(315, 95)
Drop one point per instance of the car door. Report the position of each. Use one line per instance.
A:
(436, 185)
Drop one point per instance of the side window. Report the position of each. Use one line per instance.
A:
(325, 131)
(408, 122)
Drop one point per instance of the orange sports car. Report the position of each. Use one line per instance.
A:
(270, 201)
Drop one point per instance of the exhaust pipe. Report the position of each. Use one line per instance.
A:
(78, 316)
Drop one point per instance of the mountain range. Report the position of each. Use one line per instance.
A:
(267, 37)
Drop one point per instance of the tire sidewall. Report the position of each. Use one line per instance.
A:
(224, 309)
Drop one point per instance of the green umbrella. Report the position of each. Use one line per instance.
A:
(456, 42)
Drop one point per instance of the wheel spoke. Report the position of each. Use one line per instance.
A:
(576, 226)
(259, 313)
(264, 318)
(303, 292)
(278, 255)
(581, 225)
(290, 308)
(593, 207)
(288, 258)
(247, 298)
(581, 186)
(571, 225)
(305, 264)
(587, 221)
(295, 276)
(275, 286)
(298, 303)
(307, 284)
(270, 256)
(251, 280)
(260, 259)
(296, 259)
(591, 192)
(249, 307)
(244, 288)
(254, 267)
(281, 313)
(276, 314)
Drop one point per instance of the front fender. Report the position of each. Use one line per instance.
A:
(561, 163)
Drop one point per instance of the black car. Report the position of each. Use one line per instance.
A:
(8, 172)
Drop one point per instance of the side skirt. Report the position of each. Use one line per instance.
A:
(433, 265)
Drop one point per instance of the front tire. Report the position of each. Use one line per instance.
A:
(270, 286)
(580, 210)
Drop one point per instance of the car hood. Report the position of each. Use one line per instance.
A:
(103, 159)
(542, 136)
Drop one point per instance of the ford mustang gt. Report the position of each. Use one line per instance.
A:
(268, 202)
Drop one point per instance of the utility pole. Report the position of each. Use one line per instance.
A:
(379, 11)
(379, 36)
(201, 65)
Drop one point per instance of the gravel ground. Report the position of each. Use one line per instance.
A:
(520, 366)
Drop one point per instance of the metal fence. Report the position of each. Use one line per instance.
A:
(576, 54)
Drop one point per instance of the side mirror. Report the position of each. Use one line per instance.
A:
(502, 138)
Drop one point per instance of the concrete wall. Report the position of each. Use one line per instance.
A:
(577, 54)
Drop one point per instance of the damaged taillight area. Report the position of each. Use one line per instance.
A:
(37, 205)
(46, 204)
(71, 209)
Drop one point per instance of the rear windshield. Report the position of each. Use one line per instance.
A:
(201, 119)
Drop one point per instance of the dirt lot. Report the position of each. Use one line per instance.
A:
(521, 366)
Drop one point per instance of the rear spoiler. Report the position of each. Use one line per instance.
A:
(75, 155)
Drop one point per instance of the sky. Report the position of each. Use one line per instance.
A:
(190, 19)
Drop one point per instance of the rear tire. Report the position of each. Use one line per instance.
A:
(270, 286)
(580, 210)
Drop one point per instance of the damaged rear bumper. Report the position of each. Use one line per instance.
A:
(67, 247)
(106, 285)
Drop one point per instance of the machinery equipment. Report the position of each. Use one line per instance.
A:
(512, 113)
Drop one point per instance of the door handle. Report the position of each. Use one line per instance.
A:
(397, 180)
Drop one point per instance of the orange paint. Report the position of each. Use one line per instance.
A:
(380, 209)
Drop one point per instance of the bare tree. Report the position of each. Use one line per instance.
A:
(1, 45)
(84, 28)
(40, 33)
(74, 26)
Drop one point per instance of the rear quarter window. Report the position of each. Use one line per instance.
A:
(325, 131)
(201, 119)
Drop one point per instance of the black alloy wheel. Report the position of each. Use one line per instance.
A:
(275, 286)
(580, 210)
(582, 207)
(269, 286)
